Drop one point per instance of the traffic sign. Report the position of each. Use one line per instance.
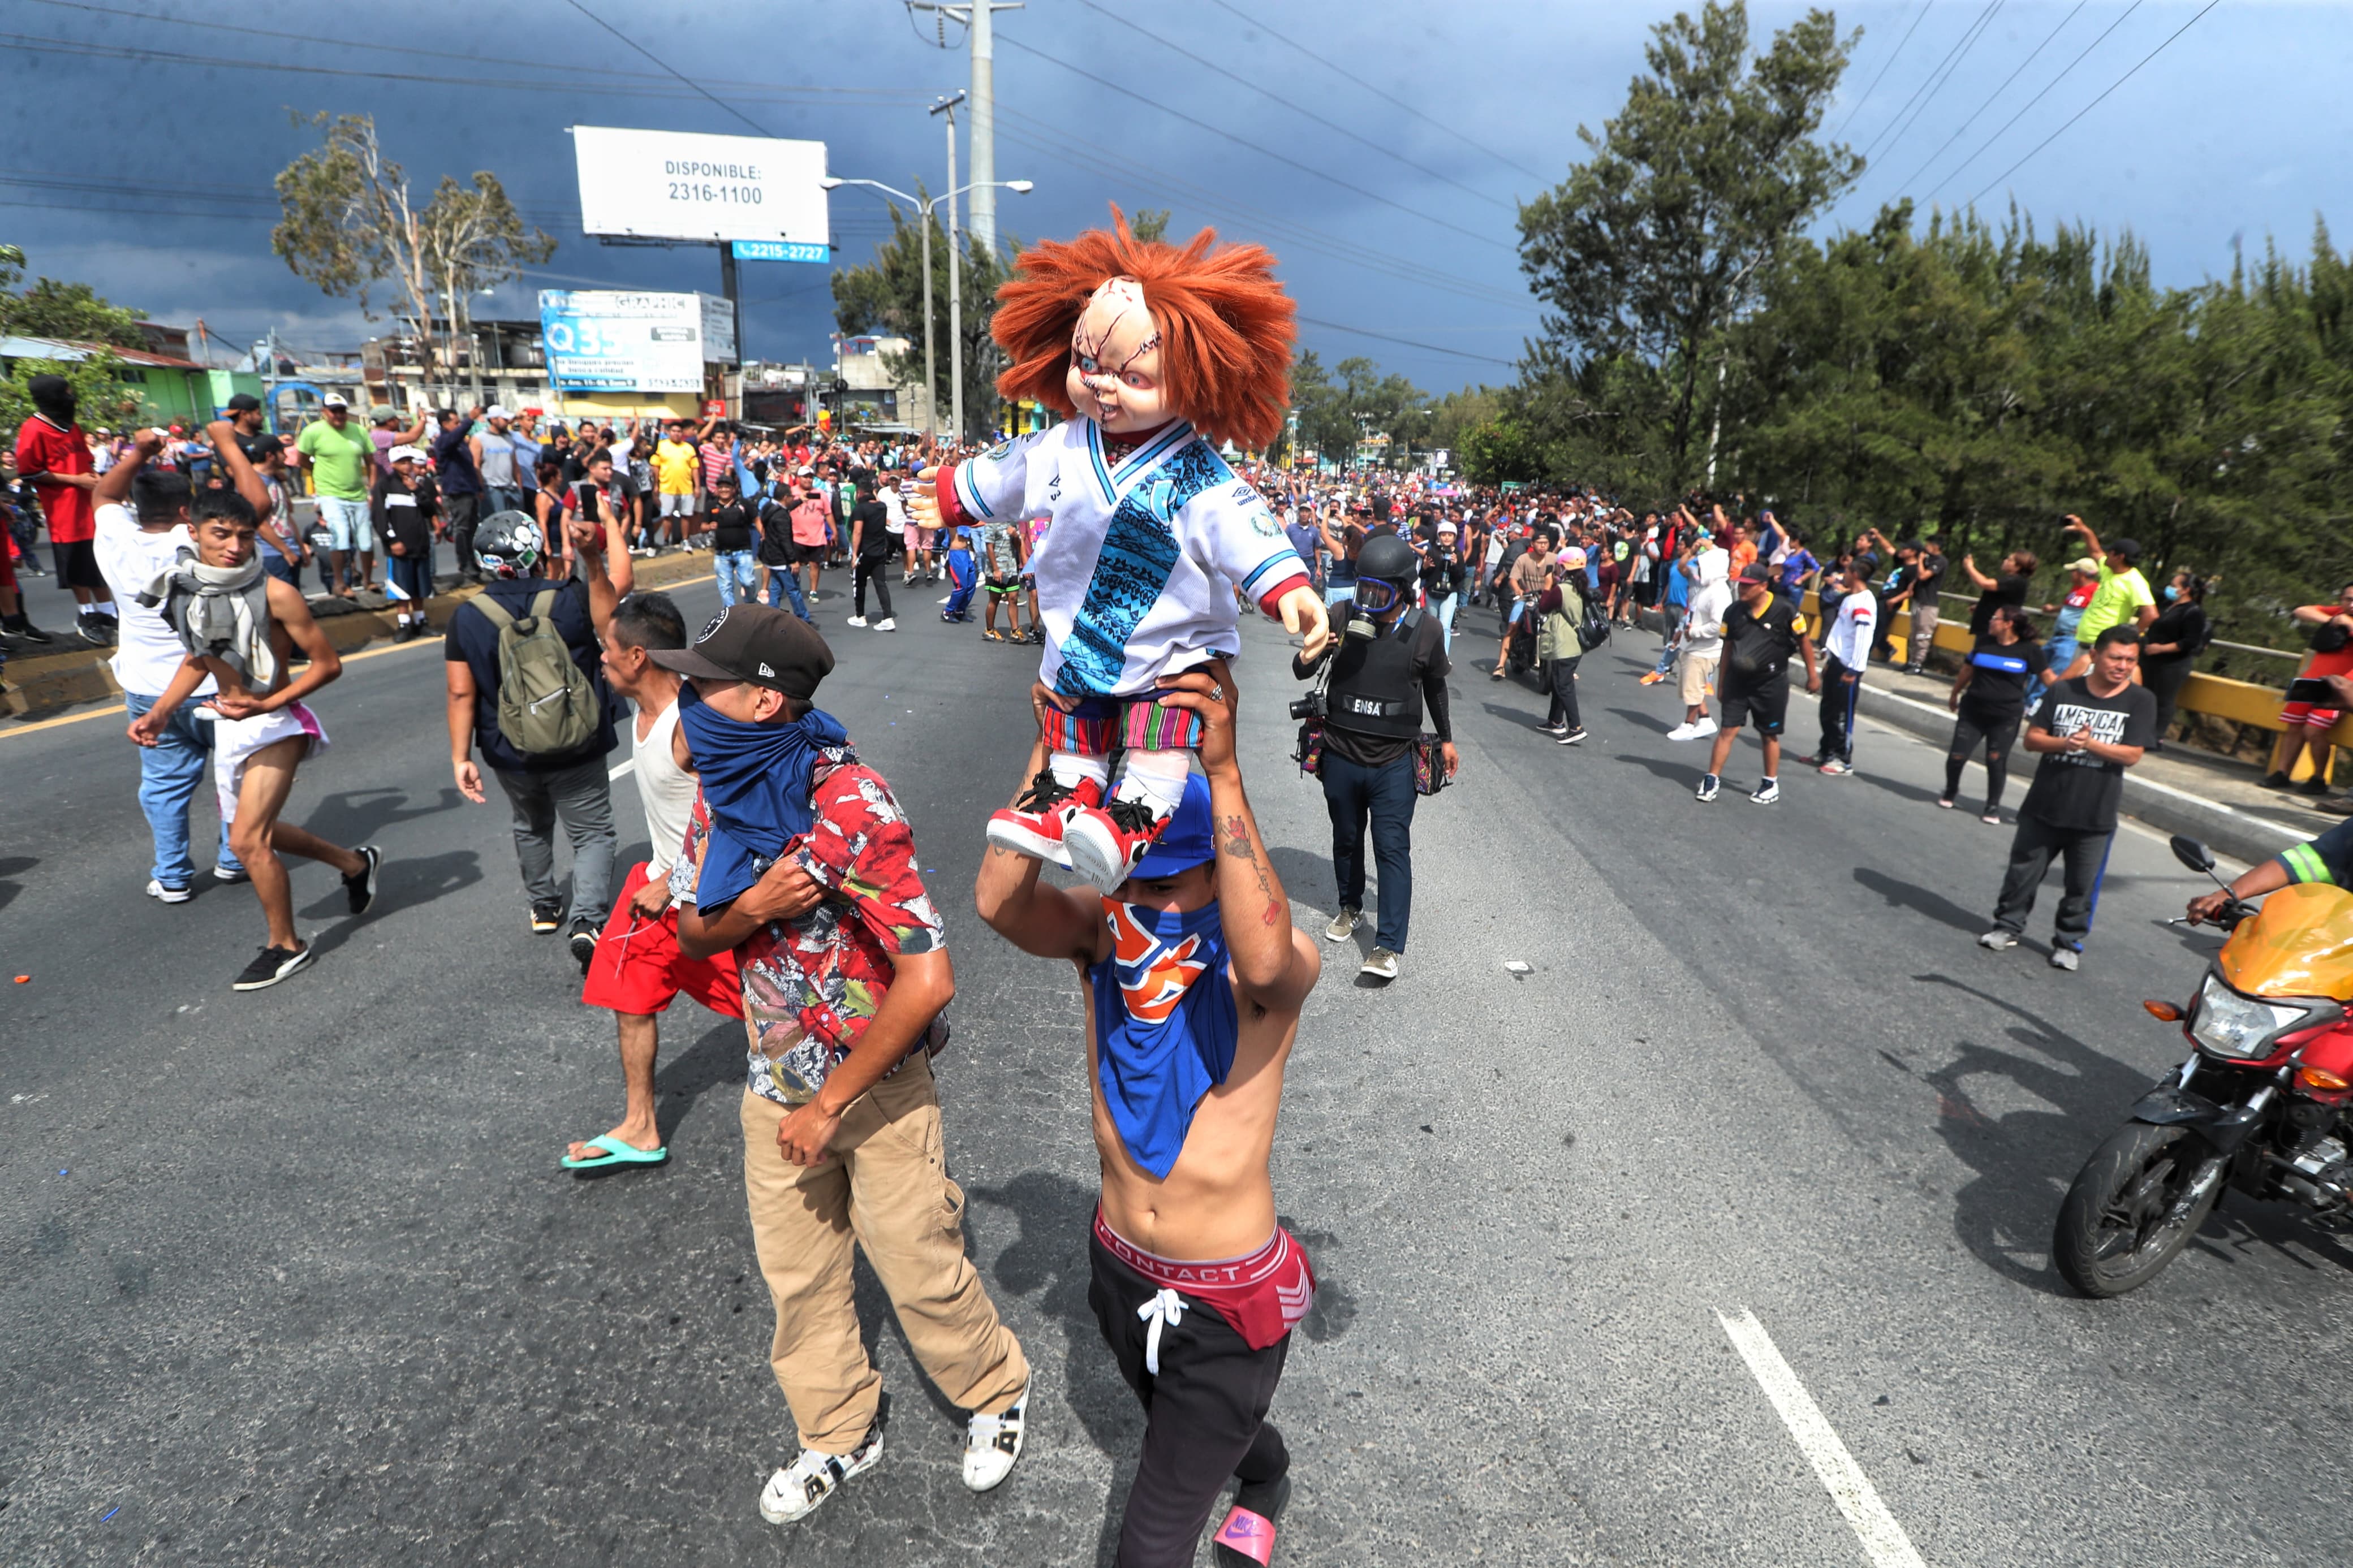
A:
(781, 250)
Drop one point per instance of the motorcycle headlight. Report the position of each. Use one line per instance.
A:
(2231, 1025)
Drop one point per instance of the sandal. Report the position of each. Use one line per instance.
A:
(1248, 1535)
(616, 1153)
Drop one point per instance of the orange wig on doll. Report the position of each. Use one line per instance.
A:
(1226, 327)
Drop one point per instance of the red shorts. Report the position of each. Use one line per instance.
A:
(2296, 713)
(639, 968)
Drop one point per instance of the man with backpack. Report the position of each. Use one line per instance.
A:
(527, 685)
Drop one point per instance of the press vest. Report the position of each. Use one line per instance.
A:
(1373, 690)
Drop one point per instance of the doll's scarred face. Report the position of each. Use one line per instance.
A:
(1115, 377)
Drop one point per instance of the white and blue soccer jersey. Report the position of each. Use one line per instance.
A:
(1135, 578)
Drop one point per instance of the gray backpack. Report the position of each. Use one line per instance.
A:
(548, 707)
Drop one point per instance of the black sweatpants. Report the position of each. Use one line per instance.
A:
(1998, 732)
(1839, 698)
(462, 513)
(2086, 854)
(874, 569)
(1205, 1413)
(1564, 695)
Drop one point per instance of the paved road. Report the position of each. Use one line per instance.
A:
(295, 1278)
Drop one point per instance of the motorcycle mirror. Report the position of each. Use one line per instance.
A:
(2191, 853)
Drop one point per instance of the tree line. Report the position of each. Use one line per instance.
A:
(1938, 375)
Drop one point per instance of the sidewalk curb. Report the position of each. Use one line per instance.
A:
(41, 684)
(2226, 829)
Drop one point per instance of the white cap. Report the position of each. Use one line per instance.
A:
(495, 412)
(397, 453)
(334, 400)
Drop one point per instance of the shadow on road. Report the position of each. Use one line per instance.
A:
(1049, 1262)
(400, 884)
(1903, 894)
(11, 867)
(359, 816)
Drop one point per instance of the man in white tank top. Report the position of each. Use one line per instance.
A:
(638, 970)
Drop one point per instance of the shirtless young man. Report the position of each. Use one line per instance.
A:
(241, 627)
(1194, 978)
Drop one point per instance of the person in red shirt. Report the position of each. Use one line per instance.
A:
(53, 453)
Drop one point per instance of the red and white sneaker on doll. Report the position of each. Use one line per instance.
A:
(1033, 824)
(1104, 842)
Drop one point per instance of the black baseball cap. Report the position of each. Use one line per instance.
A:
(756, 643)
(2127, 548)
(1757, 571)
(243, 403)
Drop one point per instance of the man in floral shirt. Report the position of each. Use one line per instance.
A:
(845, 975)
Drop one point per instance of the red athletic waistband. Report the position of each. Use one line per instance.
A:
(1261, 1296)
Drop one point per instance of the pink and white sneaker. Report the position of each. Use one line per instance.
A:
(1033, 824)
(1104, 842)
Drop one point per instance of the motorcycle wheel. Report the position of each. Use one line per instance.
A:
(2129, 1213)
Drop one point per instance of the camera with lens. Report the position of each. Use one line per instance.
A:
(1310, 706)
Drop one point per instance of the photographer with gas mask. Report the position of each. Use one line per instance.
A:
(1389, 662)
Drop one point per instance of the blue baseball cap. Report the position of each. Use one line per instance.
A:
(1188, 840)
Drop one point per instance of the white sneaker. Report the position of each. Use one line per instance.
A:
(854, 621)
(887, 624)
(795, 1491)
(992, 1444)
(1343, 925)
(1768, 792)
(1704, 729)
(1686, 732)
(167, 892)
(1998, 941)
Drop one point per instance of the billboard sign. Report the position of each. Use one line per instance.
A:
(677, 184)
(608, 341)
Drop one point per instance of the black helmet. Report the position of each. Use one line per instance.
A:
(509, 544)
(1388, 557)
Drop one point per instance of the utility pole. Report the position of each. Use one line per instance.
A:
(947, 107)
(955, 294)
(980, 35)
(732, 292)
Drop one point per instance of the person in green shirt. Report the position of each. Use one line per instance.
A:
(341, 457)
(2122, 598)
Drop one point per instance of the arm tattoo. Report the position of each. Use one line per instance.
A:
(1238, 839)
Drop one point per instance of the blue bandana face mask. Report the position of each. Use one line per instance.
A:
(1166, 1025)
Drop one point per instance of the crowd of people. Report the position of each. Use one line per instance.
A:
(781, 887)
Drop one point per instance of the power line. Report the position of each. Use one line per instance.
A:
(1309, 114)
(1969, 42)
(1968, 35)
(2096, 102)
(1056, 145)
(1972, 116)
(666, 65)
(32, 43)
(2038, 97)
(1917, 17)
(1263, 151)
(1388, 97)
(1408, 342)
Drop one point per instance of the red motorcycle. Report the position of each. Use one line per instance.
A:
(2262, 1103)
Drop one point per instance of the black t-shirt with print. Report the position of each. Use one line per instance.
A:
(2078, 792)
(2009, 588)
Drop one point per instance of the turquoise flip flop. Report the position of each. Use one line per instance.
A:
(617, 1153)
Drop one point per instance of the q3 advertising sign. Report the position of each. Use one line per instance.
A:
(607, 341)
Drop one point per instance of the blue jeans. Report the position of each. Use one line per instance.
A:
(2058, 653)
(1444, 610)
(735, 579)
(784, 584)
(169, 774)
(502, 498)
(283, 569)
(963, 579)
(1352, 793)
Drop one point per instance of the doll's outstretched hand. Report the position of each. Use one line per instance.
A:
(923, 506)
(1303, 612)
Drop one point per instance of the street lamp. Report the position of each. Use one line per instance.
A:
(923, 206)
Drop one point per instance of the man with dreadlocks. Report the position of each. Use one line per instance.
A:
(1157, 355)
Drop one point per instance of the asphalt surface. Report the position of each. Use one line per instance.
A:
(295, 1278)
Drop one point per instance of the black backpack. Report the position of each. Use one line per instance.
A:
(1593, 626)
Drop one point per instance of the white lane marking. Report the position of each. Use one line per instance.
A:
(1883, 1539)
(629, 766)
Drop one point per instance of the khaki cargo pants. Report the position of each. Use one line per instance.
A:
(885, 1185)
